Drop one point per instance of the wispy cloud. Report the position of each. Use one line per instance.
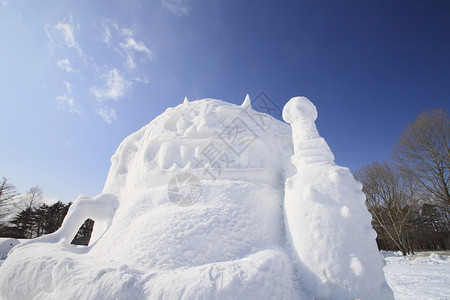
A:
(115, 86)
(114, 82)
(68, 86)
(106, 32)
(126, 32)
(65, 65)
(131, 44)
(65, 102)
(63, 34)
(4, 3)
(67, 33)
(128, 47)
(107, 114)
(177, 7)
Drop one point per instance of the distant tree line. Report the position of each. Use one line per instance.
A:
(36, 218)
(409, 197)
(36, 221)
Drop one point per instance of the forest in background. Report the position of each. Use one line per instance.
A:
(408, 196)
(34, 218)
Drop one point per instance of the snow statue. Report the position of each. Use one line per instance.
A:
(212, 201)
(327, 223)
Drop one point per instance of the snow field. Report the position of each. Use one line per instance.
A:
(426, 277)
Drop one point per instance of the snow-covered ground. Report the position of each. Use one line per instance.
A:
(424, 276)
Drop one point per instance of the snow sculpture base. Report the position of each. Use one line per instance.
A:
(231, 239)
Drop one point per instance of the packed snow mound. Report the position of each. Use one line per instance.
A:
(212, 200)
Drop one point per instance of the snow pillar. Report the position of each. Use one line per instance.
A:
(327, 223)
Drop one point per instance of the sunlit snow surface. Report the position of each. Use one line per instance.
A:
(212, 201)
(424, 277)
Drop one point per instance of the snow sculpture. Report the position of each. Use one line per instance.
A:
(327, 223)
(193, 208)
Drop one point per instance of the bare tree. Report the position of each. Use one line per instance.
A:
(7, 193)
(33, 197)
(423, 152)
(29, 202)
(390, 197)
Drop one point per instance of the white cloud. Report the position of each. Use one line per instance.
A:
(177, 7)
(114, 88)
(108, 83)
(107, 114)
(4, 3)
(63, 34)
(130, 47)
(107, 25)
(67, 32)
(68, 86)
(127, 32)
(107, 36)
(67, 103)
(129, 62)
(65, 65)
(131, 44)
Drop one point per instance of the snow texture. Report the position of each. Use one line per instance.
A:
(423, 277)
(6, 244)
(212, 201)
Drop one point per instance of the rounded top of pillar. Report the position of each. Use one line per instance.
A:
(299, 108)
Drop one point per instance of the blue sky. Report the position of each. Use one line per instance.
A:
(80, 76)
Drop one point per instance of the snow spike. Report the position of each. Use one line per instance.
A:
(247, 103)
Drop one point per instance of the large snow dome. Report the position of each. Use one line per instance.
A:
(212, 200)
